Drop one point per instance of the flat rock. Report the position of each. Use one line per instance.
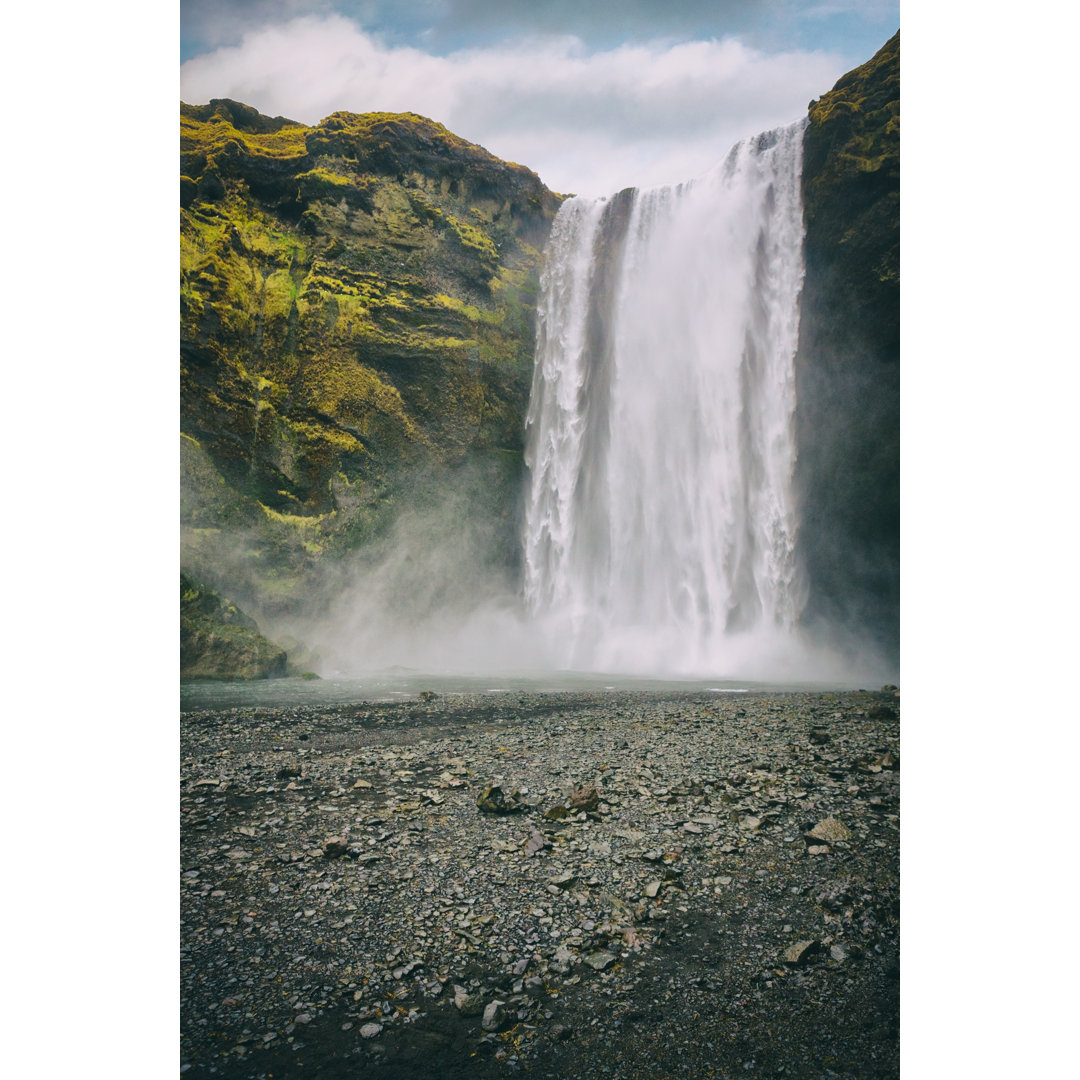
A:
(829, 831)
(600, 959)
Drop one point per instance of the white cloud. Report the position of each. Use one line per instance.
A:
(589, 122)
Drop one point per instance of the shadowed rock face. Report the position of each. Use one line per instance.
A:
(217, 640)
(356, 323)
(848, 369)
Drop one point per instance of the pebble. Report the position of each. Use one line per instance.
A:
(511, 916)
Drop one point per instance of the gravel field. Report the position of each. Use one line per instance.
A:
(588, 884)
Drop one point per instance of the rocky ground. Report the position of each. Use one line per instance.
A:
(662, 885)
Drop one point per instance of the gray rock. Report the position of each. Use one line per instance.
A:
(495, 1016)
(468, 1004)
(600, 959)
(564, 881)
(369, 1031)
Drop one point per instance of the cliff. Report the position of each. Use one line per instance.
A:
(217, 640)
(848, 366)
(356, 327)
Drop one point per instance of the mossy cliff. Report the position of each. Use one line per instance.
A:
(356, 326)
(217, 640)
(848, 367)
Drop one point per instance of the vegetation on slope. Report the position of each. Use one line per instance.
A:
(357, 309)
(217, 640)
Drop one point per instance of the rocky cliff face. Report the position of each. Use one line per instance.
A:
(848, 368)
(356, 306)
(217, 640)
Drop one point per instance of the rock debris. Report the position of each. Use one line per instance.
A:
(721, 886)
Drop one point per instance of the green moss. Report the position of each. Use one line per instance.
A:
(357, 304)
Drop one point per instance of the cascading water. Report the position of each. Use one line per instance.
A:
(660, 527)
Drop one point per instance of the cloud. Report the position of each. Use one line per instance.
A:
(587, 121)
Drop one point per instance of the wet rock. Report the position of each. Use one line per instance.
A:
(369, 1031)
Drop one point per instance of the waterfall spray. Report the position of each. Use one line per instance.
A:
(660, 522)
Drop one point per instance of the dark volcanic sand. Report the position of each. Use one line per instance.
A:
(643, 938)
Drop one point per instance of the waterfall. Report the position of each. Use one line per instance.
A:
(660, 523)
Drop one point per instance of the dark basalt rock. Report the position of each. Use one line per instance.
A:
(848, 366)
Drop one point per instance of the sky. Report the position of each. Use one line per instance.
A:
(593, 96)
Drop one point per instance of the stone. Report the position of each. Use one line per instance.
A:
(492, 801)
(335, 847)
(583, 798)
(468, 1004)
(829, 831)
(653, 888)
(798, 954)
(362, 784)
(369, 1031)
(535, 843)
(495, 1016)
(564, 881)
(600, 959)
